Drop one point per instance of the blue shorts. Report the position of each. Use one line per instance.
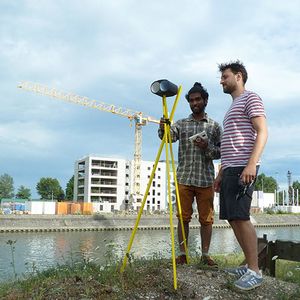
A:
(235, 197)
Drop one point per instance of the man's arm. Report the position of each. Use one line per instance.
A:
(260, 125)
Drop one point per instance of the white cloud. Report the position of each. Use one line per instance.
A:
(284, 142)
(23, 138)
(112, 51)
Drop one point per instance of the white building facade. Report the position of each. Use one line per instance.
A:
(108, 184)
(101, 181)
(156, 199)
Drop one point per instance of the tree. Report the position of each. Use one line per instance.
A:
(70, 189)
(49, 189)
(6, 186)
(295, 191)
(296, 185)
(23, 193)
(265, 183)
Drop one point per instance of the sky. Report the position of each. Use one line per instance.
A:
(112, 51)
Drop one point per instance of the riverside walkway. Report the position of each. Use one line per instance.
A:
(99, 222)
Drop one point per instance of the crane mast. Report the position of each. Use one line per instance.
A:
(139, 118)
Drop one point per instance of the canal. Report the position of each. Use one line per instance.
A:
(33, 252)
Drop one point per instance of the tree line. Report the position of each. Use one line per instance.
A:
(47, 188)
(50, 189)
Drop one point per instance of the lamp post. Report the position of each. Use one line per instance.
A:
(289, 198)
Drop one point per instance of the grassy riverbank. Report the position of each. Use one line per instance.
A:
(149, 279)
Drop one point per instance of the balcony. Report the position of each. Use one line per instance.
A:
(104, 199)
(97, 190)
(104, 164)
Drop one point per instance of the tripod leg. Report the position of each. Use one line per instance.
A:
(166, 138)
(169, 141)
(142, 206)
(178, 204)
(175, 103)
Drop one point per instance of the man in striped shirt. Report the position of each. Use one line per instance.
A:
(244, 137)
(195, 171)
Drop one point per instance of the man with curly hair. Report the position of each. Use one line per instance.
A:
(243, 140)
(195, 171)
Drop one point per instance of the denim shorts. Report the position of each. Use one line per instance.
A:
(235, 197)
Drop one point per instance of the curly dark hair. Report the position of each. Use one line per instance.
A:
(235, 67)
(197, 88)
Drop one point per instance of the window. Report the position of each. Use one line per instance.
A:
(153, 200)
(158, 169)
(153, 192)
(101, 207)
(153, 183)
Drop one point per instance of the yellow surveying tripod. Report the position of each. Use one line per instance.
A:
(163, 88)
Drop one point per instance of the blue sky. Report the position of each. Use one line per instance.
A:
(112, 51)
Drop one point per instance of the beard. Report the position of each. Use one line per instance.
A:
(228, 89)
(198, 110)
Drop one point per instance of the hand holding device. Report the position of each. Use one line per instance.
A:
(202, 135)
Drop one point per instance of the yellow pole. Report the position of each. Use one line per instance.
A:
(167, 134)
(175, 176)
(142, 207)
(178, 199)
(175, 103)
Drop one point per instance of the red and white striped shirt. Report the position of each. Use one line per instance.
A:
(239, 135)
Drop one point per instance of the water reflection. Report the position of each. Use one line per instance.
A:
(39, 251)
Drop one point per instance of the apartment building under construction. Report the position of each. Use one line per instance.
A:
(108, 184)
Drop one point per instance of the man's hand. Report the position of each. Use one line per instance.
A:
(162, 123)
(217, 183)
(200, 143)
(249, 173)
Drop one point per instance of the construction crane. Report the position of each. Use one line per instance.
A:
(139, 118)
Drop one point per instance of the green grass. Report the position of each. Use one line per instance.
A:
(86, 280)
(90, 281)
(288, 270)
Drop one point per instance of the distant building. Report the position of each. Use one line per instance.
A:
(102, 181)
(108, 184)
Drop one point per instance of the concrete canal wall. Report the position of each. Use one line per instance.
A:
(34, 223)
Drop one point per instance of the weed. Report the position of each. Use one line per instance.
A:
(11, 244)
